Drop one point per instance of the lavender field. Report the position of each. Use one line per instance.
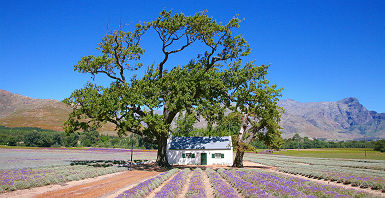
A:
(28, 168)
(231, 183)
(32, 158)
(359, 173)
(294, 176)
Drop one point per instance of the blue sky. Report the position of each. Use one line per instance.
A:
(318, 50)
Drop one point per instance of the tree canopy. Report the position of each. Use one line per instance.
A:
(207, 84)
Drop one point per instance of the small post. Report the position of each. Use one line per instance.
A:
(132, 148)
(298, 143)
(365, 144)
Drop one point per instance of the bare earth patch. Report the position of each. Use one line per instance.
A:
(128, 187)
(208, 188)
(185, 185)
(100, 187)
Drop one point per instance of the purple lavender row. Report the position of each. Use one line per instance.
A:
(247, 189)
(376, 183)
(221, 187)
(28, 178)
(196, 188)
(287, 185)
(8, 177)
(118, 150)
(144, 188)
(275, 185)
(174, 186)
(312, 188)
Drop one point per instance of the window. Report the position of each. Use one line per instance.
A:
(218, 155)
(188, 155)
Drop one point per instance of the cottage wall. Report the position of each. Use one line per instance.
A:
(176, 157)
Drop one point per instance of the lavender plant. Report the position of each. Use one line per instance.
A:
(287, 186)
(144, 188)
(221, 188)
(27, 178)
(173, 187)
(365, 174)
(247, 189)
(196, 188)
(282, 188)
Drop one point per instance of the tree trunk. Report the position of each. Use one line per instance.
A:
(238, 161)
(161, 159)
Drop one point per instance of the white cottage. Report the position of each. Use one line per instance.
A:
(200, 150)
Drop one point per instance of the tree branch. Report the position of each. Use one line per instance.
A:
(117, 60)
(109, 75)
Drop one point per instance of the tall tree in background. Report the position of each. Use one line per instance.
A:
(200, 84)
(256, 100)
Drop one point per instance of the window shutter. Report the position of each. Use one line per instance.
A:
(193, 155)
(222, 155)
(183, 155)
(213, 155)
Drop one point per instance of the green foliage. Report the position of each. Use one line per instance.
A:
(12, 141)
(38, 139)
(229, 125)
(199, 85)
(210, 82)
(89, 138)
(71, 140)
(380, 146)
(185, 125)
(297, 142)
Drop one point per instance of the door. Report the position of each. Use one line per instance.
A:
(203, 158)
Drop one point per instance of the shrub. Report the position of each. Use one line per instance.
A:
(380, 146)
(38, 139)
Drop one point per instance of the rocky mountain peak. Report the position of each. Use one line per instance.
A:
(349, 100)
(343, 119)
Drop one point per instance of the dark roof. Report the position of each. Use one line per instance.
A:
(183, 143)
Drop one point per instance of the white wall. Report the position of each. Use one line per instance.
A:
(175, 157)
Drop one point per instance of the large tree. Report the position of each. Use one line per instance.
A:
(132, 103)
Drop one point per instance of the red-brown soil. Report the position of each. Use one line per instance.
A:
(100, 187)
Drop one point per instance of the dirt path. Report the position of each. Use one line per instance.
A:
(186, 185)
(249, 164)
(120, 191)
(26, 193)
(99, 187)
(208, 189)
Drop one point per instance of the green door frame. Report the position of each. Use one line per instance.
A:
(203, 158)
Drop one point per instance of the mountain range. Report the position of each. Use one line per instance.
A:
(345, 119)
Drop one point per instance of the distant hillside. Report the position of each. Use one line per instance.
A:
(21, 111)
(345, 119)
